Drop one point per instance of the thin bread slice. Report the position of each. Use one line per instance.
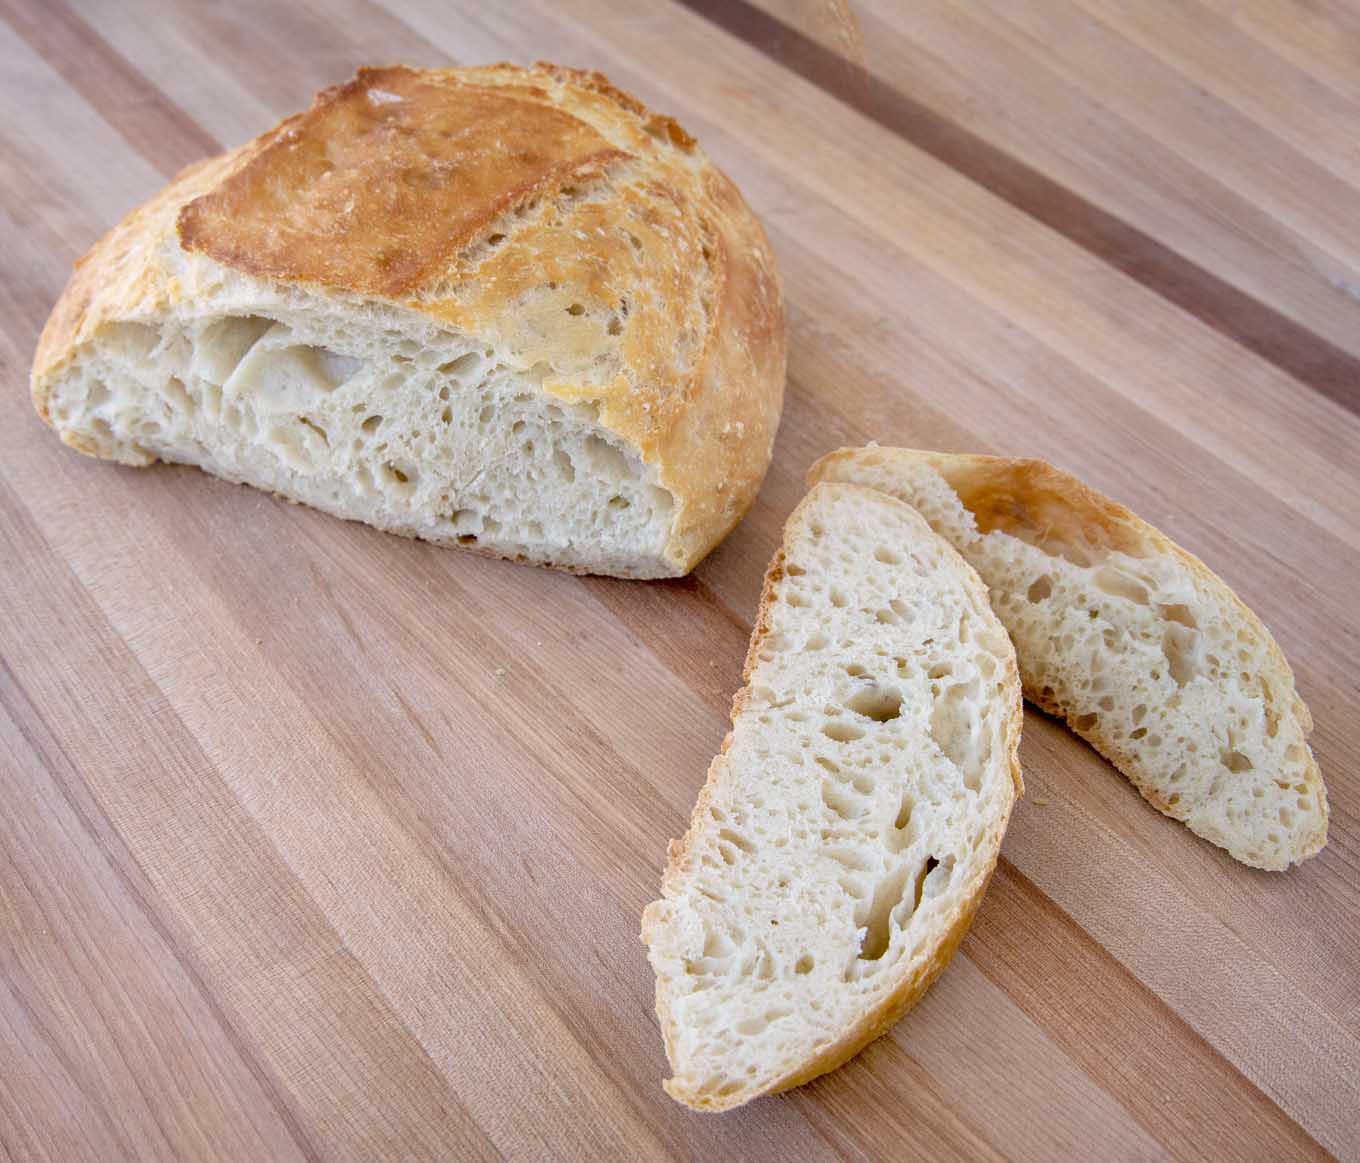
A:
(1146, 653)
(849, 826)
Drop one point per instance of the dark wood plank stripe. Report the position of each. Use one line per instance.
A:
(1121, 1033)
(157, 128)
(1289, 345)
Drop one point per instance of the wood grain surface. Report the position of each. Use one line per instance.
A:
(321, 844)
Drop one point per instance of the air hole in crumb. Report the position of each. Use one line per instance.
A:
(371, 424)
(887, 896)
(904, 812)
(838, 599)
(316, 428)
(842, 732)
(467, 362)
(880, 704)
(794, 570)
(803, 964)
(951, 732)
(1235, 761)
(576, 309)
(840, 803)
(886, 556)
(854, 670)
(1182, 647)
(736, 839)
(1040, 589)
(463, 518)
(1179, 613)
(1119, 584)
(1083, 723)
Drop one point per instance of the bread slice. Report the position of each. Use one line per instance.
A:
(849, 826)
(502, 308)
(1147, 654)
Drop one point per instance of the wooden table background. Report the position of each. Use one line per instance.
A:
(317, 843)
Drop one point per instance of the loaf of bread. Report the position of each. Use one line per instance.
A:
(848, 828)
(504, 308)
(1146, 653)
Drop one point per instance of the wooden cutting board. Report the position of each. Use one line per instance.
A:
(317, 843)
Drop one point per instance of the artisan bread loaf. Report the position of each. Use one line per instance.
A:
(1146, 653)
(848, 828)
(505, 308)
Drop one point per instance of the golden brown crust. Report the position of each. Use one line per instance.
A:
(1055, 511)
(909, 991)
(539, 208)
(377, 187)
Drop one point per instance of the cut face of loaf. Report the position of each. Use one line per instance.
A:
(848, 829)
(1147, 654)
(418, 432)
(506, 309)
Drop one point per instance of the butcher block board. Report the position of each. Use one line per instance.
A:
(321, 844)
